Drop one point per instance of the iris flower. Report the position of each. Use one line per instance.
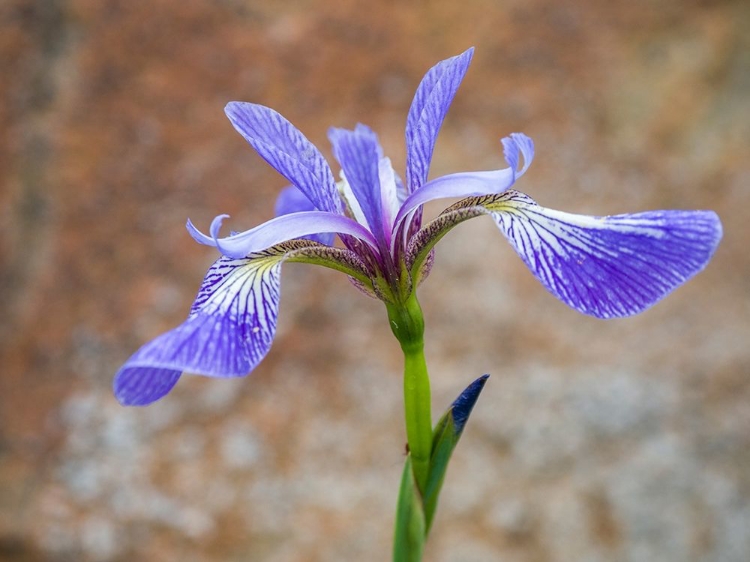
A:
(610, 266)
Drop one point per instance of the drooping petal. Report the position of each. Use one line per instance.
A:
(473, 184)
(230, 329)
(231, 324)
(610, 266)
(431, 102)
(292, 200)
(277, 230)
(359, 154)
(285, 148)
(604, 266)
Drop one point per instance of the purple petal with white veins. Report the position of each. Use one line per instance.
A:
(431, 102)
(472, 184)
(280, 229)
(292, 200)
(229, 331)
(608, 266)
(359, 154)
(285, 148)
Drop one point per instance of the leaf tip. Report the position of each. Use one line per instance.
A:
(462, 406)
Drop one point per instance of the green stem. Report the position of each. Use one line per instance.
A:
(418, 416)
(407, 324)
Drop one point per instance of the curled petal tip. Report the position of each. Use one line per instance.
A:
(513, 145)
(224, 248)
(216, 226)
(198, 236)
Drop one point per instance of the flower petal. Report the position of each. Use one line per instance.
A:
(391, 194)
(292, 200)
(604, 266)
(229, 330)
(431, 102)
(608, 266)
(277, 230)
(359, 154)
(285, 148)
(140, 386)
(472, 184)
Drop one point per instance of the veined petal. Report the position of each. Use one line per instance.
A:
(142, 385)
(277, 230)
(473, 184)
(292, 200)
(359, 154)
(229, 330)
(431, 102)
(285, 148)
(231, 323)
(603, 266)
(610, 266)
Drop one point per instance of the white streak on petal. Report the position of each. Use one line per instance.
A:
(389, 194)
(351, 201)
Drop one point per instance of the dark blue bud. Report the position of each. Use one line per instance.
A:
(463, 405)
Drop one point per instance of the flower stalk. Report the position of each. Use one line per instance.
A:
(407, 324)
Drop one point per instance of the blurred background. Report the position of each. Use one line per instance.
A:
(625, 440)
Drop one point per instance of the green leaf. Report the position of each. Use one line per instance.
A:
(445, 438)
(410, 536)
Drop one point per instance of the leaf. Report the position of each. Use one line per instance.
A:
(410, 534)
(445, 438)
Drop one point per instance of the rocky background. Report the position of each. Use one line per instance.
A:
(594, 441)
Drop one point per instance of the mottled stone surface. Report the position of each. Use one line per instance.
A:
(595, 441)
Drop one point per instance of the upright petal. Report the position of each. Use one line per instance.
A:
(391, 193)
(292, 200)
(359, 154)
(285, 148)
(608, 266)
(431, 102)
(230, 329)
(474, 184)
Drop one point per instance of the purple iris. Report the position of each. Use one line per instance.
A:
(607, 267)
